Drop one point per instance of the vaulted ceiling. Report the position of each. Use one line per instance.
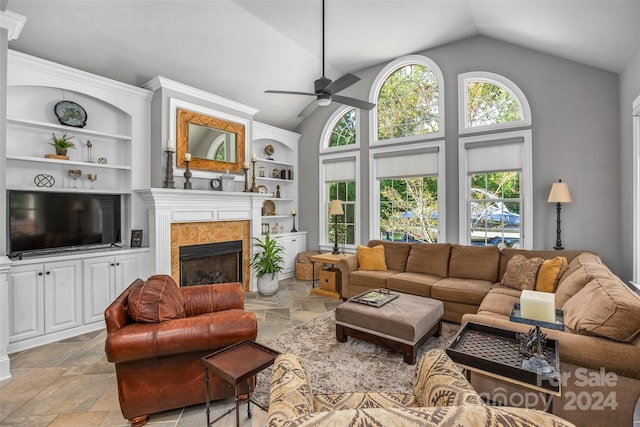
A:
(240, 48)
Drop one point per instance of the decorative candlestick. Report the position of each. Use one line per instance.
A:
(168, 180)
(293, 214)
(187, 175)
(246, 177)
(254, 187)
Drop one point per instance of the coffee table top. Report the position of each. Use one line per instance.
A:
(495, 352)
(327, 258)
(238, 362)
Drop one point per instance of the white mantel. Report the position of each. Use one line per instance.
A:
(167, 206)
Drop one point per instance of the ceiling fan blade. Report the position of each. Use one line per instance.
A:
(358, 103)
(309, 109)
(342, 83)
(288, 92)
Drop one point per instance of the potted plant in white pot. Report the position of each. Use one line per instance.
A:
(267, 262)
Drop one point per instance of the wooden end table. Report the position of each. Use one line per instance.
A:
(237, 364)
(326, 258)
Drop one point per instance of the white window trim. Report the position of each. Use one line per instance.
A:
(496, 79)
(322, 192)
(526, 184)
(636, 190)
(374, 201)
(375, 90)
(328, 128)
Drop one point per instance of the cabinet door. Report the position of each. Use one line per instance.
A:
(26, 302)
(292, 245)
(128, 268)
(98, 274)
(62, 296)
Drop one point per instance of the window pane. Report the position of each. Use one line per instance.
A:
(345, 191)
(494, 209)
(409, 209)
(408, 103)
(344, 132)
(488, 104)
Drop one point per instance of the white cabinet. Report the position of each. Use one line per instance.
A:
(293, 244)
(44, 298)
(105, 278)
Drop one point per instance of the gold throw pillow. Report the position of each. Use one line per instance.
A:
(371, 258)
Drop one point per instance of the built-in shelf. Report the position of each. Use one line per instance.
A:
(66, 190)
(275, 216)
(53, 126)
(275, 162)
(67, 162)
(264, 178)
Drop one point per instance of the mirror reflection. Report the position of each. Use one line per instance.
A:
(214, 144)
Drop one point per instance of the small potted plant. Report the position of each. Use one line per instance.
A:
(62, 143)
(267, 262)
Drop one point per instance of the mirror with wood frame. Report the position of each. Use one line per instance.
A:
(214, 144)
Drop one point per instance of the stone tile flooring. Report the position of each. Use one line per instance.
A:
(70, 383)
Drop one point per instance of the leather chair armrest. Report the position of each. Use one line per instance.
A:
(210, 298)
(207, 332)
(347, 265)
(438, 382)
(290, 395)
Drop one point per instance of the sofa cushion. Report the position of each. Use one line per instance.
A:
(468, 291)
(371, 258)
(474, 262)
(500, 300)
(412, 283)
(605, 307)
(549, 274)
(395, 253)
(155, 300)
(521, 272)
(571, 284)
(507, 253)
(577, 262)
(371, 279)
(429, 258)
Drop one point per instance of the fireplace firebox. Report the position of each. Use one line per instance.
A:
(211, 263)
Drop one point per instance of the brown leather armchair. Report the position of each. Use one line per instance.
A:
(158, 363)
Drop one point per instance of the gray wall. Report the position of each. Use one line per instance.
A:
(576, 137)
(629, 91)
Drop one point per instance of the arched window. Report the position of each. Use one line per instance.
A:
(341, 131)
(490, 101)
(409, 97)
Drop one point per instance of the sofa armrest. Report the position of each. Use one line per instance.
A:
(204, 333)
(290, 395)
(347, 265)
(211, 298)
(438, 382)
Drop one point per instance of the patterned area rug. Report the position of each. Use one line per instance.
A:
(352, 366)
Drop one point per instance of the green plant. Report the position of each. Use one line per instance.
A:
(63, 141)
(268, 257)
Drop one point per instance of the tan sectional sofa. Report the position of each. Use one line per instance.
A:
(600, 346)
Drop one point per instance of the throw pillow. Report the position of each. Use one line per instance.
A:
(521, 272)
(550, 272)
(155, 300)
(371, 258)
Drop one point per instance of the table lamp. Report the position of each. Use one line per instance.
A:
(335, 209)
(559, 194)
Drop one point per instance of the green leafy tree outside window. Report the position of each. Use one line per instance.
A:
(344, 132)
(488, 104)
(345, 191)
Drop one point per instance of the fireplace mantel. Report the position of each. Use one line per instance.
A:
(167, 206)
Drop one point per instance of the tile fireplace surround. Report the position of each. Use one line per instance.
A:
(185, 217)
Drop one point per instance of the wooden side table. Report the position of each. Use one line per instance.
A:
(238, 364)
(330, 279)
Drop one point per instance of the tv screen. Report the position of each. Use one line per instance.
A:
(46, 221)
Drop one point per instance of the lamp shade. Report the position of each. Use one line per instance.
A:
(336, 208)
(559, 193)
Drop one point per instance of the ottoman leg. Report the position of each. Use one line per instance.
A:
(439, 330)
(409, 354)
(340, 335)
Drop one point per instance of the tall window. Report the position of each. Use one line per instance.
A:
(345, 191)
(409, 96)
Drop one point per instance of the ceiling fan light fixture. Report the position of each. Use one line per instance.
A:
(324, 102)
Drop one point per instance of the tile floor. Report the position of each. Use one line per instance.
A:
(70, 383)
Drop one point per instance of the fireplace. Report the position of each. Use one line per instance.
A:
(211, 263)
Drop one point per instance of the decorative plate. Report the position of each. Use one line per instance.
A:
(269, 208)
(44, 180)
(71, 114)
(269, 150)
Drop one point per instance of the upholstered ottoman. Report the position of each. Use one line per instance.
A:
(403, 324)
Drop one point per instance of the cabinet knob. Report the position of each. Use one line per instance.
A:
(48, 273)
(112, 264)
(117, 263)
(40, 274)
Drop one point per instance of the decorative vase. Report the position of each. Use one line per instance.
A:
(61, 151)
(268, 284)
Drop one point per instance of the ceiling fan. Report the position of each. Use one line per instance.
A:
(325, 89)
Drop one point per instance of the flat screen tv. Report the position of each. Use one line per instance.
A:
(51, 221)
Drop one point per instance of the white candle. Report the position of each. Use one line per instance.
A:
(171, 146)
(246, 165)
(538, 306)
(253, 157)
(293, 211)
(187, 157)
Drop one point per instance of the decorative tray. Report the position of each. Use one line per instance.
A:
(497, 351)
(374, 297)
(516, 316)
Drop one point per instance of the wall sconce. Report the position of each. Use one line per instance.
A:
(335, 209)
(559, 194)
